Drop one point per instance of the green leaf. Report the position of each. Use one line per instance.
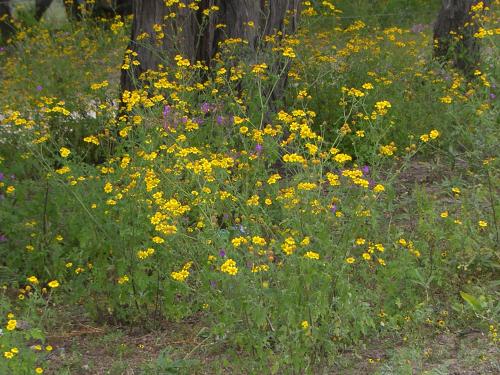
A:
(471, 300)
(7, 276)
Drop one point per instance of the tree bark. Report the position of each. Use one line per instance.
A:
(195, 36)
(454, 32)
(152, 51)
(6, 28)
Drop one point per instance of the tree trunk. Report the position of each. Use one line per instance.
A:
(195, 36)
(6, 27)
(154, 49)
(454, 32)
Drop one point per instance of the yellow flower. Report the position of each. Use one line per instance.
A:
(434, 134)
(342, 158)
(306, 186)
(238, 120)
(8, 355)
(378, 188)
(289, 52)
(39, 370)
(53, 284)
(444, 214)
(273, 179)
(261, 268)
(238, 241)
(63, 170)
(360, 241)
(229, 267)
(180, 276)
(108, 188)
(424, 138)
(123, 279)
(482, 223)
(64, 152)
(97, 86)
(143, 254)
(306, 241)
(289, 246)
(158, 239)
(382, 107)
(311, 255)
(350, 260)
(11, 325)
(388, 149)
(259, 241)
(304, 324)
(91, 139)
(253, 201)
(10, 189)
(32, 280)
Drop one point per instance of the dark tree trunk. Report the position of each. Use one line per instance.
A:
(196, 37)
(100, 8)
(6, 27)
(454, 32)
(180, 34)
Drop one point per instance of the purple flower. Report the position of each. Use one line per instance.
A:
(258, 148)
(166, 110)
(39, 88)
(334, 208)
(365, 169)
(213, 284)
(3, 238)
(205, 107)
(492, 96)
(222, 253)
(1, 176)
(220, 120)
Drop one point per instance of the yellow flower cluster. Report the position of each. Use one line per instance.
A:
(144, 254)
(183, 274)
(229, 267)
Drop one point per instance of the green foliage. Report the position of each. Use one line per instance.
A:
(361, 205)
